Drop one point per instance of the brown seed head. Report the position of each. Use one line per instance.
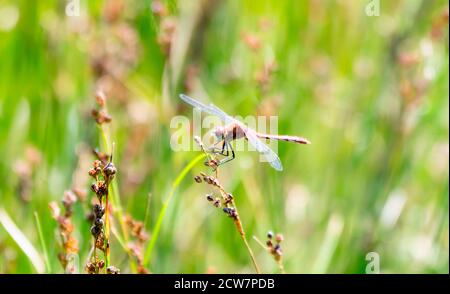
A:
(279, 238)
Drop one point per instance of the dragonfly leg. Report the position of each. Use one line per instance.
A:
(222, 151)
(214, 149)
(229, 158)
(225, 151)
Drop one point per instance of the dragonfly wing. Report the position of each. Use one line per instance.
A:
(262, 148)
(223, 115)
(211, 109)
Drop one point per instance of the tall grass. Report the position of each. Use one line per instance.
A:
(370, 92)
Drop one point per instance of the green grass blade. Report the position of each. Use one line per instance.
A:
(42, 240)
(162, 212)
(22, 241)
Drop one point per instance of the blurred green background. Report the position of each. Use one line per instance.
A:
(370, 92)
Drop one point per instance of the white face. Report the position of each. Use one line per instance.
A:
(219, 133)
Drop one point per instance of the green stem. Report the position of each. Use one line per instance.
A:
(162, 212)
(42, 240)
(147, 210)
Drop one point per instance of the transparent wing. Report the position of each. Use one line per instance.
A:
(211, 109)
(265, 150)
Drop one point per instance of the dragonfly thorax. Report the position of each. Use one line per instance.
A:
(230, 132)
(219, 133)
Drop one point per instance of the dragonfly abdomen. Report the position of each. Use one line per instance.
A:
(294, 139)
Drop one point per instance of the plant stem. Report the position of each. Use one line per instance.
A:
(162, 212)
(107, 255)
(95, 255)
(115, 202)
(42, 240)
(249, 249)
(240, 228)
(281, 267)
(147, 210)
(236, 218)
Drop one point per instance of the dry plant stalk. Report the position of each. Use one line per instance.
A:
(227, 202)
(137, 246)
(65, 225)
(274, 249)
(103, 171)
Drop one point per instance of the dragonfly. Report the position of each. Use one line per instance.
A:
(235, 129)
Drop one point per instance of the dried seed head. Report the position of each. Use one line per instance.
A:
(99, 222)
(209, 197)
(158, 8)
(100, 98)
(101, 116)
(100, 242)
(95, 231)
(101, 189)
(90, 268)
(69, 198)
(230, 211)
(277, 251)
(98, 210)
(269, 243)
(212, 163)
(252, 41)
(94, 113)
(101, 264)
(55, 210)
(216, 202)
(112, 270)
(102, 157)
(93, 172)
(198, 179)
(97, 163)
(279, 238)
(229, 198)
(110, 170)
(94, 188)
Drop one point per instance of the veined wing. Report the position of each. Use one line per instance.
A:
(265, 150)
(211, 109)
